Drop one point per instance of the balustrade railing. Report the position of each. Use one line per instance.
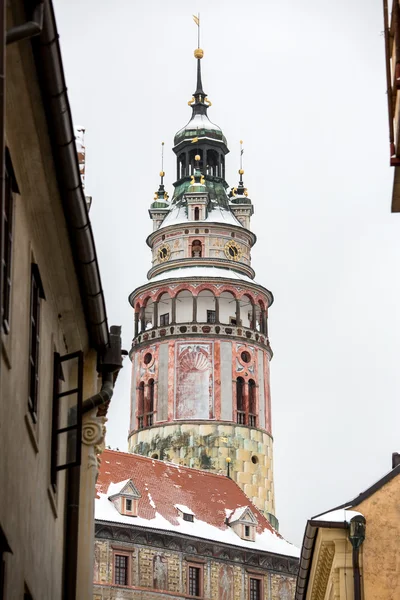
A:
(219, 329)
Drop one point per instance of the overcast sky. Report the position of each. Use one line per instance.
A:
(303, 84)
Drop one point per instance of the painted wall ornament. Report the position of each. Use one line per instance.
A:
(160, 573)
(225, 591)
(194, 381)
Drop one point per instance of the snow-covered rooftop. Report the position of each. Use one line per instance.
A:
(210, 497)
(116, 488)
(202, 272)
(218, 214)
(340, 515)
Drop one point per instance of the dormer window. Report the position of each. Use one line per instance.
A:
(244, 523)
(185, 513)
(125, 497)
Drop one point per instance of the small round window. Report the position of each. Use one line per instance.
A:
(254, 459)
(147, 358)
(245, 356)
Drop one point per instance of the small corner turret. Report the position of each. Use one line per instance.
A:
(239, 201)
(160, 205)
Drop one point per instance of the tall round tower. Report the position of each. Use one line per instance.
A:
(200, 354)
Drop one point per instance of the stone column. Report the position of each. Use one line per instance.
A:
(93, 432)
(262, 328)
(142, 320)
(155, 314)
(136, 323)
(194, 309)
(173, 311)
(254, 316)
(238, 322)
(216, 309)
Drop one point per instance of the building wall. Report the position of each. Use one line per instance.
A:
(31, 514)
(207, 445)
(222, 579)
(380, 550)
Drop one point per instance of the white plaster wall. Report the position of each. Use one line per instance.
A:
(204, 303)
(164, 306)
(227, 308)
(184, 307)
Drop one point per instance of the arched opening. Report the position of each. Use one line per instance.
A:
(206, 312)
(184, 307)
(140, 405)
(213, 167)
(193, 163)
(150, 403)
(165, 310)
(149, 315)
(240, 407)
(252, 403)
(227, 308)
(197, 249)
(196, 213)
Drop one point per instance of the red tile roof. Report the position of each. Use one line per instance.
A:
(208, 495)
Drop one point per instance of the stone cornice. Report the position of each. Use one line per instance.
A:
(207, 261)
(140, 536)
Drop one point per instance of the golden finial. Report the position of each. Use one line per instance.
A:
(202, 180)
(234, 190)
(207, 101)
(197, 157)
(228, 459)
(192, 101)
(241, 172)
(191, 180)
(198, 53)
(162, 173)
(246, 193)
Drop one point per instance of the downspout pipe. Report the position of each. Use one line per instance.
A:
(28, 29)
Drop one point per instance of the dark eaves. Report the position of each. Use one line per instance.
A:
(47, 55)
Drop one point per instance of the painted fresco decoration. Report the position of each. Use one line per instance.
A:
(160, 572)
(225, 591)
(194, 381)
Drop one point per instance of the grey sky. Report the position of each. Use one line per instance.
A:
(303, 84)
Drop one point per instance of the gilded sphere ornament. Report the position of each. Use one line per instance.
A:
(241, 172)
(162, 174)
(198, 53)
(197, 157)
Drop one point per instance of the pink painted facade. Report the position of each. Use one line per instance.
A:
(200, 353)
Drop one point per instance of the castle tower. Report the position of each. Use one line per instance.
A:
(200, 354)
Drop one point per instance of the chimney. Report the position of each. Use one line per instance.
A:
(395, 460)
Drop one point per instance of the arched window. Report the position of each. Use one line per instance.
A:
(140, 405)
(150, 407)
(196, 249)
(240, 408)
(252, 403)
(196, 213)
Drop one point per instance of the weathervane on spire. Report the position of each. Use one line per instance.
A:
(162, 173)
(161, 194)
(241, 161)
(197, 21)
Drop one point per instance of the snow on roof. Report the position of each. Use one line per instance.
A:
(209, 496)
(184, 509)
(237, 514)
(202, 272)
(218, 214)
(340, 515)
(116, 488)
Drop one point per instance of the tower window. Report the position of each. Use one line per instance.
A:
(252, 403)
(196, 213)
(240, 412)
(140, 405)
(211, 317)
(164, 320)
(150, 407)
(196, 249)
(34, 343)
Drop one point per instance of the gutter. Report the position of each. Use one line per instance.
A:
(47, 55)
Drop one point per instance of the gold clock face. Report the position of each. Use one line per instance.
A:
(232, 250)
(164, 252)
